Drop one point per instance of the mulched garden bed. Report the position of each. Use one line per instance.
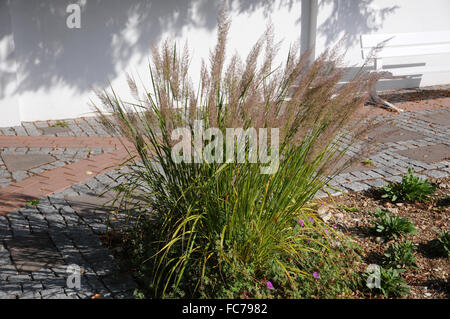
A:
(431, 279)
(350, 215)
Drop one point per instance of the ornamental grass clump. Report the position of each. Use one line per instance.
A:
(220, 221)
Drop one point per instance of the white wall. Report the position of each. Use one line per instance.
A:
(57, 66)
(9, 103)
(337, 18)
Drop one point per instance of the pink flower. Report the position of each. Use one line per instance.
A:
(311, 219)
(316, 275)
(269, 285)
(301, 222)
(326, 231)
(335, 226)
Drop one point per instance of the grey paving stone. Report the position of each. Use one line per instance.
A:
(7, 271)
(23, 162)
(377, 183)
(394, 179)
(392, 171)
(119, 284)
(30, 295)
(56, 283)
(32, 285)
(5, 231)
(19, 226)
(31, 129)
(19, 175)
(356, 186)
(97, 285)
(5, 258)
(43, 274)
(19, 278)
(373, 174)
(7, 295)
(54, 293)
(320, 194)
(53, 130)
(436, 174)
(20, 131)
(11, 289)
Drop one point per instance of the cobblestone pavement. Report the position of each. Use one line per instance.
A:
(41, 242)
(418, 140)
(45, 243)
(85, 126)
(39, 245)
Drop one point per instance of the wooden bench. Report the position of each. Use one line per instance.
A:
(381, 46)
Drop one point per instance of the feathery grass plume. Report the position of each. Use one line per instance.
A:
(213, 216)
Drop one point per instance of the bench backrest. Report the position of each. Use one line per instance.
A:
(406, 44)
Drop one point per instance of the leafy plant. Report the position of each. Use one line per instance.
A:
(392, 284)
(392, 226)
(60, 124)
(444, 241)
(368, 162)
(33, 202)
(227, 218)
(400, 255)
(411, 188)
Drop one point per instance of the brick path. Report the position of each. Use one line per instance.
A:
(57, 179)
(39, 242)
(418, 140)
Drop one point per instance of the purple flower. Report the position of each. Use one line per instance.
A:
(269, 285)
(301, 222)
(326, 231)
(311, 219)
(335, 226)
(316, 275)
(308, 241)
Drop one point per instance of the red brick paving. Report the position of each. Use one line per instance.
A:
(62, 141)
(16, 195)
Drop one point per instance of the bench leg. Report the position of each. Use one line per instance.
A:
(379, 101)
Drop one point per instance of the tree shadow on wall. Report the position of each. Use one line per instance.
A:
(112, 33)
(352, 18)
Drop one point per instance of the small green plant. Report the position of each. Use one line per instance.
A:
(392, 284)
(444, 240)
(348, 209)
(60, 124)
(33, 202)
(392, 226)
(411, 188)
(400, 255)
(368, 162)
